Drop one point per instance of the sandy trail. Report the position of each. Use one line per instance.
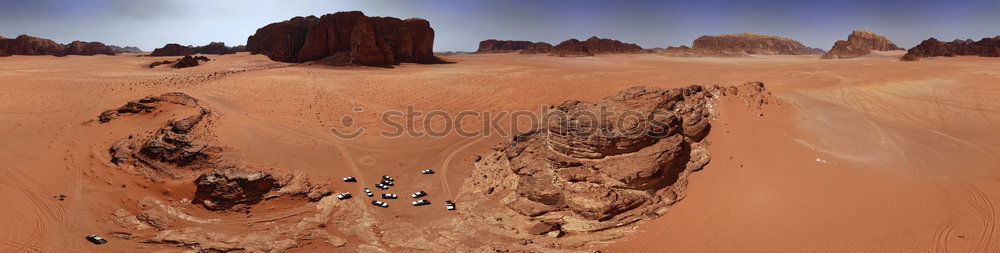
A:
(907, 150)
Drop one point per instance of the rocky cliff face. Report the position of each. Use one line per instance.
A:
(506, 46)
(859, 43)
(28, 45)
(748, 44)
(345, 38)
(172, 49)
(986, 47)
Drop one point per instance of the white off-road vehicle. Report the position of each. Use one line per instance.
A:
(419, 194)
(421, 202)
(343, 196)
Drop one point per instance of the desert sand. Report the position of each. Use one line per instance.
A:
(861, 155)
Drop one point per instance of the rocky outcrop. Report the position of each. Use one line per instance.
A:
(744, 44)
(189, 61)
(507, 46)
(180, 149)
(986, 47)
(172, 49)
(28, 45)
(346, 38)
(859, 43)
(597, 166)
(236, 189)
(185, 62)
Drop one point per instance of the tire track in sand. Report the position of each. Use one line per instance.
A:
(982, 205)
(42, 209)
(447, 161)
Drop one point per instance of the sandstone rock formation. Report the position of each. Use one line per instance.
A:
(346, 38)
(538, 48)
(986, 47)
(859, 43)
(506, 46)
(180, 149)
(744, 44)
(172, 49)
(28, 45)
(597, 166)
(229, 189)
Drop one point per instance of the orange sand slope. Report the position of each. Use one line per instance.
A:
(863, 155)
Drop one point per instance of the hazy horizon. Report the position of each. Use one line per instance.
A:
(460, 25)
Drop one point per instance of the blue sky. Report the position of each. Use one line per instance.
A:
(460, 25)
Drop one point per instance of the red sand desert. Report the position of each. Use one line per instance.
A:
(870, 154)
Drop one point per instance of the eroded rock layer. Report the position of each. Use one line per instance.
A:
(859, 43)
(346, 38)
(181, 149)
(597, 166)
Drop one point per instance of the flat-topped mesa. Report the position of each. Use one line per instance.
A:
(750, 44)
(505, 46)
(346, 38)
(28, 45)
(859, 43)
(986, 47)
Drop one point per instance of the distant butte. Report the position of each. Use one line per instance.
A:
(28, 45)
(743, 44)
(571, 47)
(507, 46)
(986, 47)
(346, 38)
(859, 43)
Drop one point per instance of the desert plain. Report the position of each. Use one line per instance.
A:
(870, 154)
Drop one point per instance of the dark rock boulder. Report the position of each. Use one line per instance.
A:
(189, 61)
(346, 38)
